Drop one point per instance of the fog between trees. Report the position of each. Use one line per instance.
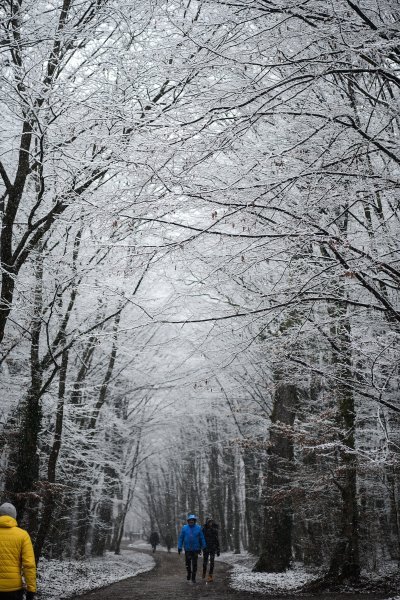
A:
(200, 274)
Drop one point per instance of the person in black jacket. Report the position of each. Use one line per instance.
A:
(169, 541)
(154, 540)
(210, 531)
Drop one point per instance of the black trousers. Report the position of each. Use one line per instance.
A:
(207, 554)
(191, 564)
(18, 595)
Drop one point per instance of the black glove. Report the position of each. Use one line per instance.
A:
(30, 595)
(217, 552)
(179, 550)
(199, 552)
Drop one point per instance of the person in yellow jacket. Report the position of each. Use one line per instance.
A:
(16, 555)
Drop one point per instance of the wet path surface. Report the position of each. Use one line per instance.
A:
(167, 581)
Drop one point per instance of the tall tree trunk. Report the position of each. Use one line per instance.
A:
(236, 503)
(102, 526)
(276, 552)
(229, 511)
(345, 562)
(83, 522)
(51, 491)
(252, 470)
(15, 190)
(22, 479)
(217, 490)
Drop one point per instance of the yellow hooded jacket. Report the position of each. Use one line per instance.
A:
(16, 553)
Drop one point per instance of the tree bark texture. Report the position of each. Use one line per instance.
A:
(276, 550)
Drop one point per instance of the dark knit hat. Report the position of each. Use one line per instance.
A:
(8, 509)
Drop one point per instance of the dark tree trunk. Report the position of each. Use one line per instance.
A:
(236, 505)
(276, 553)
(51, 493)
(83, 522)
(102, 527)
(132, 478)
(345, 562)
(345, 559)
(394, 517)
(59, 544)
(229, 512)
(252, 469)
(118, 530)
(217, 487)
(25, 474)
(10, 210)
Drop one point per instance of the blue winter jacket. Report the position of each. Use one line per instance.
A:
(191, 538)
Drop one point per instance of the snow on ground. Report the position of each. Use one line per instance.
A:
(243, 579)
(143, 545)
(140, 544)
(59, 579)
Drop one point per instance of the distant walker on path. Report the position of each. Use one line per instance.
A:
(16, 557)
(210, 532)
(192, 540)
(169, 541)
(154, 540)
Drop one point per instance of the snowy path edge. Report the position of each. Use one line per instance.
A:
(62, 580)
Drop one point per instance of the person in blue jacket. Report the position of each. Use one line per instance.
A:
(192, 540)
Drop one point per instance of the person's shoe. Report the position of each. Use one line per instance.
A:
(193, 581)
(210, 579)
(189, 577)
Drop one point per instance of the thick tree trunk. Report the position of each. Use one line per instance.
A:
(23, 477)
(60, 546)
(345, 562)
(51, 493)
(83, 523)
(102, 527)
(345, 558)
(276, 553)
(394, 518)
(10, 210)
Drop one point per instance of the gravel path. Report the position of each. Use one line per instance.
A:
(167, 581)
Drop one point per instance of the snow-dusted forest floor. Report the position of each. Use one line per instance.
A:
(65, 579)
(242, 577)
(168, 582)
(290, 582)
(58, 580)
